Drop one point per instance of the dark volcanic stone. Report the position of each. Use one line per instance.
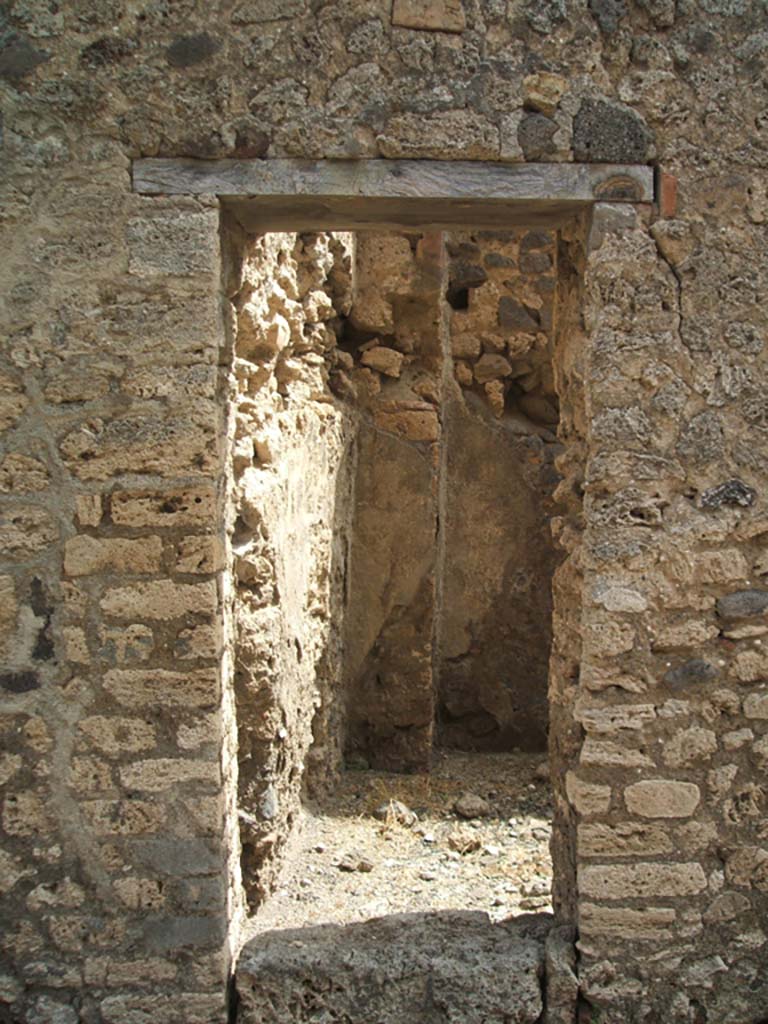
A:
(105, 51)
(731, 492)
(535, 262)
(19, 682)
(185, 51)
(18, 58)
(608, 132)
(535, 134)
(608, 14)
(464, 274)
(535, 240)
(743, 604)
(516, 316)
(697, 670)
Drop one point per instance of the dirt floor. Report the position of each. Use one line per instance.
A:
(345, 864)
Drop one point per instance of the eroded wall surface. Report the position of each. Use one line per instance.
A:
(290, 521)
(111, 419)
(500, 413)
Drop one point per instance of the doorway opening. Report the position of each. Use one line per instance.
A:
(396, 398)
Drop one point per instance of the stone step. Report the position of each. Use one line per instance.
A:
(450, 967)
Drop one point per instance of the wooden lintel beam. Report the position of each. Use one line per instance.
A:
(466, 181)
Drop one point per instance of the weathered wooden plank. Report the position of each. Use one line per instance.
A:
(396, 179)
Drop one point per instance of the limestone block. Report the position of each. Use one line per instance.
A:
(719, 780)
(160, 599)
(204, 729)
(193, 506)
(737, 739)
(626, 923)
(139, 893)
(166, 444)
(26, 531)
(689, 745)
(747, 867)
(25, 814)
(90, 775)
(124, 817)
(157, 774)
(189, 1008)
(662, 798)
(615, 755)
(137, 688)
(75, 645)
(8, 611)
(726, 907)
(446, 135)
(750, 666)
(543, 91)
(605, 637)
(756, 705)
(198, 642)
(627, 839)
(434, 15)
(13, 401)
(641, 881)
(9, 766)
(117, 736)
(108, 972)
(84, 555)
(11, 871)
(411, 424)
(88, 509)
(587, 797)
(721, 566)
(384, 360)
(200, 554)
(692, 633)
(612, 720)
(177, 241)
(20, 474)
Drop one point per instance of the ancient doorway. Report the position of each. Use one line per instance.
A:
(376, 565)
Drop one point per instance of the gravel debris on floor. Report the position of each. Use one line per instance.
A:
(472, 835)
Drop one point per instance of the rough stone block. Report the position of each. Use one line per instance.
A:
(84, 555)
(160, 599)
(688, 746)
(641, 881)
(756, 705)
(157, 774)
(627, 839)
(124, 817)
(200, 554)
(651, 923)
(117, 736)
(450, 966)
(662, 798)
(410, 424)
(176, 242)
(190, 507)
(612, 755)
(138, 688)
(432, 15)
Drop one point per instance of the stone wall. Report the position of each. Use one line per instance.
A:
(117, 828)
(290, 520)
(500, 414)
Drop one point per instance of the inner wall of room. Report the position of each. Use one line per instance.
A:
(395, 416)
